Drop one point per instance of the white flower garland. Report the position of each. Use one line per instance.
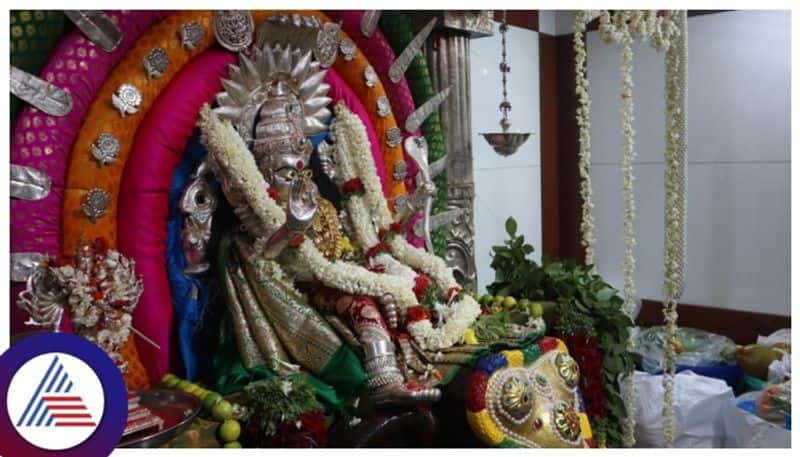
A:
(354, 161)
(584, 136)
(240, 172)
(623, 27)
(675, 158)
(629, 263)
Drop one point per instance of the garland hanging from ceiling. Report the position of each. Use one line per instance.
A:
(665, 32)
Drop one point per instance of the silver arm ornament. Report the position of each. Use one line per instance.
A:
(198, 203)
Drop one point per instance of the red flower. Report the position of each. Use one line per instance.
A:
(416, 314)
(297, 240)
(353, 187)
(377, 249)
(273, 194)
(396, 227)
(421, 284)
(455, 290)
(63, 260)
(300, 165)
(101, 245)
(97, 295)
(379, 268)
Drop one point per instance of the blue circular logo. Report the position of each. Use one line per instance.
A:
(63, 396)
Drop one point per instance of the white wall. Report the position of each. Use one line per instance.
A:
(505, 186)
(739, 161)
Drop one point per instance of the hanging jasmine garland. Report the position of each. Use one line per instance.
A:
(584, 137)
(675, 161)
(660, 30)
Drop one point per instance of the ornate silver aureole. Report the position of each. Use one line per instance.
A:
(369, 22)
(23, 264)
(370, 76)
(402, 62)
(39, 93)
(155, 63)
(400, 171)
(233, 29)
(97, 27)
(127, 99)
(95, 205)
(417, 118)
(192, 34)
(28, 183)
(198, 203)
(393, 137)
(301, 32)
(348, 49)
(384, 107)
(105, 149)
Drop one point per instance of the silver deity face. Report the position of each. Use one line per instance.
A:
(281, 148)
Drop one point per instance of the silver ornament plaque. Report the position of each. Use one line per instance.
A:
(233, 29)
(39, 93)
(28, 183)
(97, 27)
(369, 22)
(127, 99)
(95, 205)
(105, 149)
(327, 46)
(393, 137)
(370, 76)
(400, 171)
(156, 63)
(348, 49)
(384, 107)
(403, 61)
(192, 34)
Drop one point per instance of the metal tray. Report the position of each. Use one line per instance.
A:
(178, 409)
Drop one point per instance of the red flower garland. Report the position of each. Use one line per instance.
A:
(416, 314)
(297, 240)
(386, 234)
(421, 284)
(585, 351)
(353, 187)
(273, 194)
(452, 292)
(377, 249)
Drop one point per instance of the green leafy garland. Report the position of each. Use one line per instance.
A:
(585, 304)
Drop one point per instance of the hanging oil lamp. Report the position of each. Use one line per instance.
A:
(505, 143)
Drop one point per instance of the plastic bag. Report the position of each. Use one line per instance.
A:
(740, 427)
(699, 401)
(783, 335)
(697, 348)
(780, 369)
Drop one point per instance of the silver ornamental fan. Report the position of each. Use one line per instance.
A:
(505, 143)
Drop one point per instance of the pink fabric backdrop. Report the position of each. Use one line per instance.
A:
(44, 142)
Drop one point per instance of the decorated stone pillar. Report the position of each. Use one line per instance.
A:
(447, 52)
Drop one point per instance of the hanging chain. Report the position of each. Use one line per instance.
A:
(505, 68)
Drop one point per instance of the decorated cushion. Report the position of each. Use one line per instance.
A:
(528, 397)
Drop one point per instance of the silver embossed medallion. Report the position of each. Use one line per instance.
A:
(233, 29)
(192, 34)
(156, 63)
(370, 77)
(400, 201)
(327, 44)
(348, 49)
(127, 99)
(96, 204)
(393, 137)
(105, 149)
(384, 108)
(400, 171)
